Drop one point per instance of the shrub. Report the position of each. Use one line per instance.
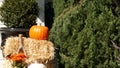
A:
(83, 34)
(19, 13)
(60, 5)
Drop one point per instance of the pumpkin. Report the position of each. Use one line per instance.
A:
(37, 65)
(38, 32)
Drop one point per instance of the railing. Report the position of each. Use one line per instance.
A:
(7, 32)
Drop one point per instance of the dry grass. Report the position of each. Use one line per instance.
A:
(36, 50)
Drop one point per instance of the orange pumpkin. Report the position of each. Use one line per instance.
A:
(38, 32)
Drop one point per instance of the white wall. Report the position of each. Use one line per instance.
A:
(41, 4)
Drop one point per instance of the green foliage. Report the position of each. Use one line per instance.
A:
(19, 13)
(83, 35)
(60, 5)
(19, 64)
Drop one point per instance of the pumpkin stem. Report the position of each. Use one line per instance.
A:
(39, 22)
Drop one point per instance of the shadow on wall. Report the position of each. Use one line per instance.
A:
(49, 14)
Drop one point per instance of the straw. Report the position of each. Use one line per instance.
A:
(40, 50)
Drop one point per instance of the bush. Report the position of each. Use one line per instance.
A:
(83, 33)
(60, 5)
(19, 13)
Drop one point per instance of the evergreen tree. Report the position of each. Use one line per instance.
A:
(60, 5)
(19, 13)
(83, 33)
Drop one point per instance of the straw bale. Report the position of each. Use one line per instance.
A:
(7, 64)
(40, 50)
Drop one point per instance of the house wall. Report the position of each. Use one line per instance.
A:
(41, 4)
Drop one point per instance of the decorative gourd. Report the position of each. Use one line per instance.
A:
(39, 31)
(36, 65)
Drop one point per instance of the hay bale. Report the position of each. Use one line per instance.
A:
(40, 50)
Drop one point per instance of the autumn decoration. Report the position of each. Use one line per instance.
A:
(24, 54)
(19, 57)
(39, 31)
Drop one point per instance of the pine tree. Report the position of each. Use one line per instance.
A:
(19, 13)
(82, 34)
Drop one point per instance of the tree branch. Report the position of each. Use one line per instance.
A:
(115, 45)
